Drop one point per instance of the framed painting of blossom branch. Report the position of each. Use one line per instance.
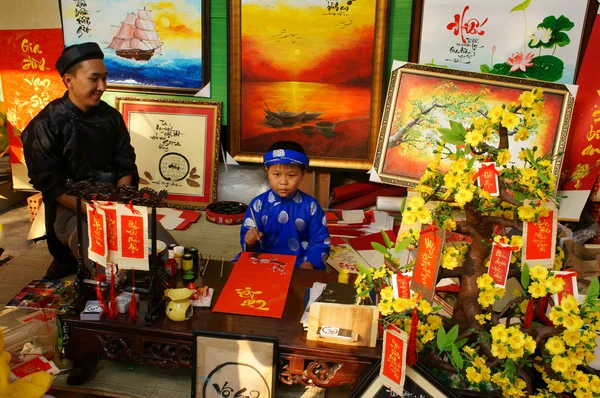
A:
(528, 39)
(310, 71)
(149, 45)
(426, 104)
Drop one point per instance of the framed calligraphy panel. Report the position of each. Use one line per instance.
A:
(149, 46)
(422, 98)
(177, 146)
(310, 71)
(542, 43)
(233, 365)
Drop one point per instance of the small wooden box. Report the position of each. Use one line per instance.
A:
(33, 204)
(361, 319)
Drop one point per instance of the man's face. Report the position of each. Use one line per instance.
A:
(285, 178)
(87, 85)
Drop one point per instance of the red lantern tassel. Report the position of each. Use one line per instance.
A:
(100, 298)
(133, 306)
(411, 355)
(113, 307)
(528, 314)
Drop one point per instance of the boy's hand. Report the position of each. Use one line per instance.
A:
(252, 237)
(306, 265)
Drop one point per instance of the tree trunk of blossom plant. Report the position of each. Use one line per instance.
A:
(467, 305)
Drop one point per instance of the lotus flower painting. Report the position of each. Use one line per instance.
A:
(535, 39)
(148, 45)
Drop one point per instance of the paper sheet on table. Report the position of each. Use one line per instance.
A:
(171, 222)
(38, 227)
(315, 292)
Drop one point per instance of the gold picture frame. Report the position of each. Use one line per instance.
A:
(405, 144)
(337, 129)
(177, 146)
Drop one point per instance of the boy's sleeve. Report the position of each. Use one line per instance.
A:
(319, 242)
(249, 223)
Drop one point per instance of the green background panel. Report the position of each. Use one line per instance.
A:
(398, 43)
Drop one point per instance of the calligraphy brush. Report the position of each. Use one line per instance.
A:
(222, 262)
(205, 265)
(256, 226)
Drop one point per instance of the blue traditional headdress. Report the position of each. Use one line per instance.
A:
(285, 156)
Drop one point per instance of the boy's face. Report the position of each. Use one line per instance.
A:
(285, 178)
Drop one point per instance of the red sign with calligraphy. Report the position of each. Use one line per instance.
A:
(539, 240)
(499, 263)
(132, 237)
(258, 285)
(29, 83)
(487, 178)
(393, 359)
(112, 239)
(401, 286)
(431, 244)
(97, 231)
(579, 170)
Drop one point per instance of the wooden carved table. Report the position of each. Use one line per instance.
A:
(169, 344)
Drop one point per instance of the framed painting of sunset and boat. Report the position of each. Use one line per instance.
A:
(310, 71)
(149, 45)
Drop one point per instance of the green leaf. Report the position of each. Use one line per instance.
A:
(457, 358)
(561, 39)
(593, 289)
(379, 247)
(546, 67)
(451, 336)
(485, 68)
(363, 270)
(386, 239)
(521, 7)
(441, 338)
(543, 176)
(461, 342)
(525, 275)
(454, 135)
(403, 205)
(403, 244)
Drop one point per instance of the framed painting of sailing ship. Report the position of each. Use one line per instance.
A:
(149, 46)
(421, 99)
(176, 144)
(310, 71)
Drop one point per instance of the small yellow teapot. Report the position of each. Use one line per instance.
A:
(179, 308)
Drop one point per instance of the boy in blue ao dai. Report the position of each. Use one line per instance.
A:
(288, 221)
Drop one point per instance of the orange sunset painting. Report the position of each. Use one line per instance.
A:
(425, 103)
(306, 75)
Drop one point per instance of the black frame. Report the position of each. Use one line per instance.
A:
(233, 336)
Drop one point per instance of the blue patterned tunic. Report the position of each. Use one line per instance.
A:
(295, 226)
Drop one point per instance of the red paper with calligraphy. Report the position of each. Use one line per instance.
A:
(570, 286)
(97, 251)
(431, 244)
(393, 358)
(487, 178)
(132, 229)
(499, 263)
(258, 285)
(540, 241)
(401, 285)
(580, 164)
(29, 83)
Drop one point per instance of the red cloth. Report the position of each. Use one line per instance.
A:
(354, 190)
(369, 199)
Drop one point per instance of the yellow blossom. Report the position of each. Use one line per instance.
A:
(474, 137)
(537, 290)
(495, 113)
(526, 212)
(499, 333)
(385, 308)
(463, 197)
(387, 293)
(554, 285)
(538, 273)
(527, 99)
(529, 345)
(486, 298)
(571, 338)
(560, 364)
(572, 322)
(569, 304)
(408, 217)
(503, 157)
(449, 224)
(469, 350)
(522, 134)
(555, 345)
(425, 307)
(516, 240)
(500, 351)
(510, 120)
(473, 375)
(542, 211)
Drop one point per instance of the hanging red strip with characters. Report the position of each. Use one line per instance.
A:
(487, 178)
(97, 248)
(539, 239)
(500, 262)
(112, 231)
(431, 244)
(132, 227)
(393, 359)
(401, 285)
